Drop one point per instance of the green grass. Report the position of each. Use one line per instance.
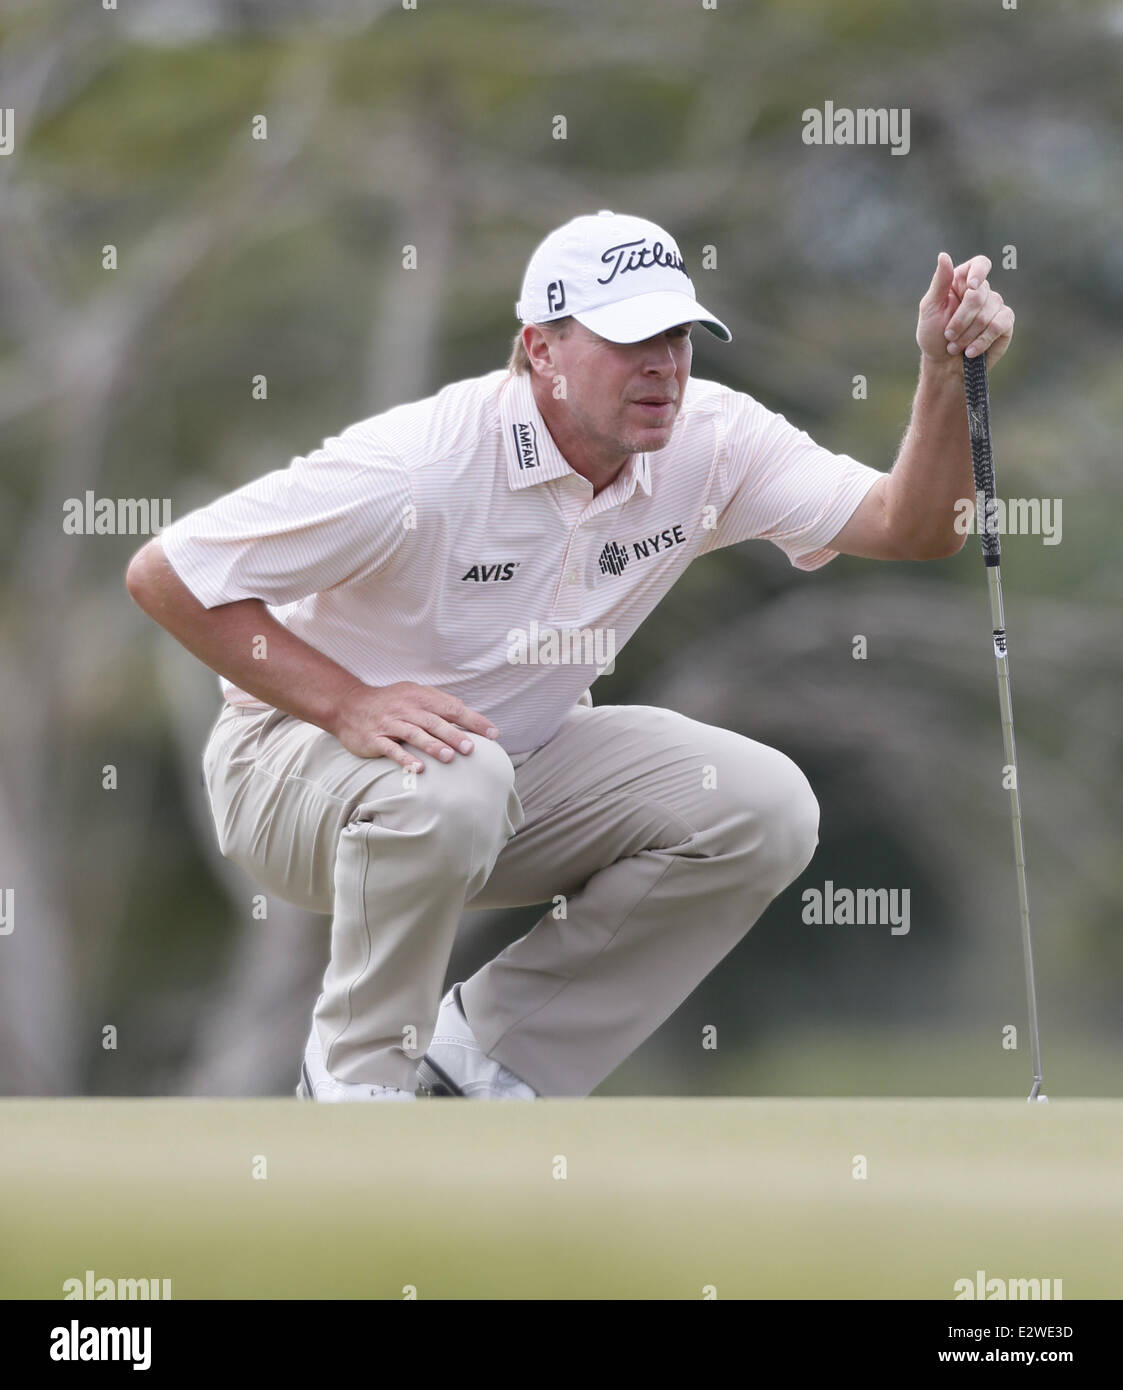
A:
(660, 1199)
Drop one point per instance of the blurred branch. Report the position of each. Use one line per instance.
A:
(427, 207)
(38, 1046)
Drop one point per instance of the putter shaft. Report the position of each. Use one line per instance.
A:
(982, 459)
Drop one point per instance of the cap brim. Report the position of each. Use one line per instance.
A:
(634, 320)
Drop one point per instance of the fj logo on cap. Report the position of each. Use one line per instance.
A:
(555, 296)
(526, 444)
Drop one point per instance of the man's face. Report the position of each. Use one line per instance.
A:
(620, 398)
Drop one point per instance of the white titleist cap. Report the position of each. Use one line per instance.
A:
(622, 277)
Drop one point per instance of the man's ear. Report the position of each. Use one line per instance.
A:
(539, 349)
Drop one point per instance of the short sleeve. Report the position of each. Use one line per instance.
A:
(332, 517)
(782, 486)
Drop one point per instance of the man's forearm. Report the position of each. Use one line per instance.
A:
(242, 642)
(933, 468)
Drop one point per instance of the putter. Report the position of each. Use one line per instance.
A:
(982, 462)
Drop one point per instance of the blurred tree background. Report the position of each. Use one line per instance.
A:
(282, 257)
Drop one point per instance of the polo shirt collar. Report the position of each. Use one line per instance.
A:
(532, 455)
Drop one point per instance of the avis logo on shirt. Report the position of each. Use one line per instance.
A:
(491, 574)
(526, 444)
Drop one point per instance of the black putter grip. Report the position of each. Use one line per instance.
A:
(982, 460)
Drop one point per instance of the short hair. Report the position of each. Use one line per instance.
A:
(520, 362)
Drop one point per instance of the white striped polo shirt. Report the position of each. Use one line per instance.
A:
(448, 541)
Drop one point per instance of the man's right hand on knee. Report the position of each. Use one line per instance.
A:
(388, 721)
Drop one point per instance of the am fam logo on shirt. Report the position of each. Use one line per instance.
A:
(526, 443)
(615, 557)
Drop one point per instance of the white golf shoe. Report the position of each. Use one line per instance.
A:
(455, 1065)
(317, 1083)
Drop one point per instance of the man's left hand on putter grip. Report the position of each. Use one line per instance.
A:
(962, 315)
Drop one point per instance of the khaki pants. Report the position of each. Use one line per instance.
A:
(656, 842)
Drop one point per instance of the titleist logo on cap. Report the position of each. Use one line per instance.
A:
(625, 257)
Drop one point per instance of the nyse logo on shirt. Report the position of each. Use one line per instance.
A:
(526, 444)
(614, 557)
